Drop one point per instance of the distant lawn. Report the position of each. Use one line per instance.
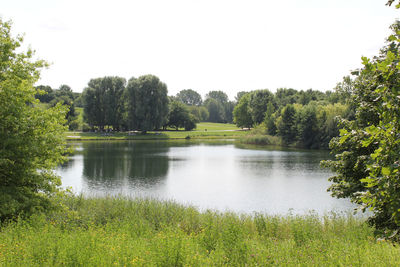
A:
(205, 130)
(210, 126)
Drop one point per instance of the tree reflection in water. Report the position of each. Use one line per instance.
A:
(114, 162)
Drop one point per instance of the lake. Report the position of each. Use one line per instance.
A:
(219, 175)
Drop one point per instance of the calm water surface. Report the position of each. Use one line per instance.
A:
(216, 175)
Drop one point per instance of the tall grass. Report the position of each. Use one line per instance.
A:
(259, 136)
(143, 232)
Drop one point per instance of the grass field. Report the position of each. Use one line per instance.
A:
(203, 130)
(122, 232)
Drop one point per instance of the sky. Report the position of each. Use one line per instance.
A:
(204, 45)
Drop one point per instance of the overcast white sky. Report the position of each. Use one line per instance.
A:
(204, 45)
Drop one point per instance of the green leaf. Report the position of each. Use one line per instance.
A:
(392, 38)
(386, 171)
(376, 153)
(343, 139)
(367, 142)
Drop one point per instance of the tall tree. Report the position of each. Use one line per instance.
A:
(270, 119)
(31, 138)
(103, 102)
(287, 125)
(113, 102)
(218, 106)
(93, 104)
(147, 103)
(258, 103)
(241, 115)
(220, 96)
(215, 110)
(307, 126)
(239, 95)
(189, 97)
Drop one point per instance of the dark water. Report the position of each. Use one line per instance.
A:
(217, 175)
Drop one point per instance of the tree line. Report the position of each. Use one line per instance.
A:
(139, 104)
(303, 118)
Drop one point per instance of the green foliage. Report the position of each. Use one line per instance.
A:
(269, 120)
(45, 94)
(220, 96)
(103, 102)
(189, 97)
(239, 96)
(147, 103)
(142, 232)
(215, 110)
(368, 149)
(258, 104)
(287, 124)
(307, 130)
(65, 96)
(199, 112)
(31, 138)
(179, 117)
(241, 115)
(286, 96)
(219, 107)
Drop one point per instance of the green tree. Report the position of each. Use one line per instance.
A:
(113, 102)
(368, 149)
(189, 97)
(258, 103)
(270, 119)
(285, 96)
(241, 115)
(215, 110)
(147, 103)
(65, 90)
(287, 125)
(178, 115)
(103, 102)
(307, 126)
(93, 104)
(218, 106)
(31, 138)
(199, 112)
(220, 96)
(239, 95)
(45, 93)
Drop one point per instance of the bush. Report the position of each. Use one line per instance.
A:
(31, 138)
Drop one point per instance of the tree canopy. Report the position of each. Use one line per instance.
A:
(189, 97)
(147, 103)
(31, 138)
(367, 151)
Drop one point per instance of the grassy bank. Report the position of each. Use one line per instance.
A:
(259, 136)
(204, 130)
(106, 232)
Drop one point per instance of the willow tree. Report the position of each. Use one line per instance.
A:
(31, 138)
(146, 103)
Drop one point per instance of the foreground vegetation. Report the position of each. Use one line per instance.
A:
(117, 231)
